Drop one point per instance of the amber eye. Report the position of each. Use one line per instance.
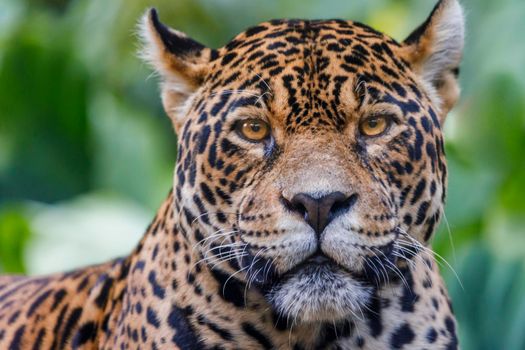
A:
(253, 129)
(374, 126)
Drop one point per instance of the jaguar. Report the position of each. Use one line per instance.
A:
(309, 181)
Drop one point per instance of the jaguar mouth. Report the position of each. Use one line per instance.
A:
(317, 260)
(262, 275)
(374, 273)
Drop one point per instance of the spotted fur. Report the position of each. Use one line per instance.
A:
(231, 261)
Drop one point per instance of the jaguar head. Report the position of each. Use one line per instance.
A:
(310, 154)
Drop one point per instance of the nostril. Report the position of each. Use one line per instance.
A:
(286, 203)
(342, 206)
(301, 209)
(294, 206)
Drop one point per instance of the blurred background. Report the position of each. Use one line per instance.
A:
(86, 153)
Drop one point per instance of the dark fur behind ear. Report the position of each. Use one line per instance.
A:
(419, 31)
(182, 63)
(435, 49)
(174, 42)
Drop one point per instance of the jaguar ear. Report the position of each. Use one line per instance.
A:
(182, 63)
(434, 51)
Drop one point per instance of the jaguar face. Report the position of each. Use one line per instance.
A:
(310, 162)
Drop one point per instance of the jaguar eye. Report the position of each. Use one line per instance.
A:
(374, 126)
(254, 130)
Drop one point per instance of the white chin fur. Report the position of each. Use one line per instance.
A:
(319, 294)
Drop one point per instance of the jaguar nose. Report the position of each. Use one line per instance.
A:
(318, 212)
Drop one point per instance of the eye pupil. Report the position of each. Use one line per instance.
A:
(373, 123)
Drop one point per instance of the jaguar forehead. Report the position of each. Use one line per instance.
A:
(310, 70)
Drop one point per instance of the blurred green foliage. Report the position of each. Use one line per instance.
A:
(79, 115)
(14, 234)
(490, 305)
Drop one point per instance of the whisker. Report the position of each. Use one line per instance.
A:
(214, 236)
(230, 277)
(265, 83)
(394, 269)
(450, 238)
(416, 244)
(209, 213)
(235, 91)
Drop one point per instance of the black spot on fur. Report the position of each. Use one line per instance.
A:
(254, 30)
(152, 318)
(184, 337)
(230, 289)
(71, 323)
(38, 301)
(258, 336)
(16, 343)
(103, 295)
(157, 289)
(402, 336)
(409, 298)
(451, 328)
(373, 316)
(228, 58)
(431, 335)
(85, 334)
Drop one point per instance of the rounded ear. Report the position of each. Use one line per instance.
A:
(181, 62)
(434, 51)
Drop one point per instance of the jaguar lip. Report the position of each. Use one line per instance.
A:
(318, 258)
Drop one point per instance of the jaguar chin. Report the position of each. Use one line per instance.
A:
(319, 290)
